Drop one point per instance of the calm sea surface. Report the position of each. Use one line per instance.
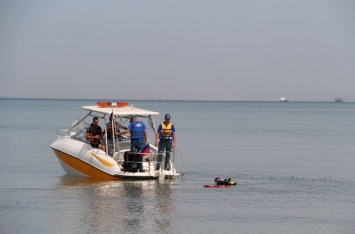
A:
(294, 164)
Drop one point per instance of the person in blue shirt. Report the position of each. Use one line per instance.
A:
(139, 136)
(165, 139)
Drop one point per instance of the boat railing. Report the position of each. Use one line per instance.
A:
(177, 158)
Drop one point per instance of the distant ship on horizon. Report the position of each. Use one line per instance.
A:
(340, 100)
(283, 99)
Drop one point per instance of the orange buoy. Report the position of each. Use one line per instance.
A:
(104, 104)
(121, 104)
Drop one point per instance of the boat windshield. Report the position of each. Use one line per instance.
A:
(78, 131)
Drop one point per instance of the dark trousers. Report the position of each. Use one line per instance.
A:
(136, 146)
(164, 145)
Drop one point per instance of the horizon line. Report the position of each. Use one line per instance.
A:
(160, 99)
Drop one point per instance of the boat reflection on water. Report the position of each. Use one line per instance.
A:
(120, 206)
(73, 181)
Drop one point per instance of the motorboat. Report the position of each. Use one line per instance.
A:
(283, 99)
(78, 158)
(340, 100)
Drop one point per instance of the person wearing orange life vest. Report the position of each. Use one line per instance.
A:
(165, 139)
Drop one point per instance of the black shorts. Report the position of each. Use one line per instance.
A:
(95, 144)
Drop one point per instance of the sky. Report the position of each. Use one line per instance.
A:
(244, 50)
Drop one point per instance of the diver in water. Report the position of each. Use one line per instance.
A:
(229, 181)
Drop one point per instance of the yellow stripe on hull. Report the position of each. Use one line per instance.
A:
(82, 166)
(103, 161)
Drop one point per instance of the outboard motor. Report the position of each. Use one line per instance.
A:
(132, 161)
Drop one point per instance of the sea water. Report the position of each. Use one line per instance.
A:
(294, 164)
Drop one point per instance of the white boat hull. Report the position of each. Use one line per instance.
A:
(80, 159)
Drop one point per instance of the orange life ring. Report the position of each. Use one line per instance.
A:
(104, 104)
(121, 103)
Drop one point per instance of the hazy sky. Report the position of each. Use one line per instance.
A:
(185, 49)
